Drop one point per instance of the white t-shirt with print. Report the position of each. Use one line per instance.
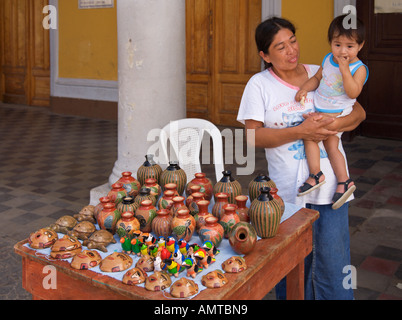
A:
(270, 100)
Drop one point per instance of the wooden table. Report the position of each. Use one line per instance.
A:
(270, 261)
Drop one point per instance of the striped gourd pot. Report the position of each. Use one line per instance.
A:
(149, 169)
(174, 174)
(256, 184)
(265, 214)
(228, 185)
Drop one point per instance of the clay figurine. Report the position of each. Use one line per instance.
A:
(214, 279)
(86, 214)
(99, 240)
(170, 244)
(173, 268)
(116, 262)
(203, 259)
(234, 264)
(159, 265)
(191, 266)
(43, 238)
(65, 248)
(183, 288)
(83, 230)
(86, 259)
(183, 246)
(209, 247)
(134, 276)
(145, 263)
(64, 224)
(148, 238)
(158, 281)
(135, 247)
(126, 244)
(161, 242)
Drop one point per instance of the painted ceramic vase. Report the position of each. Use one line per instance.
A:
(108, 217)
(202, 214)
(117, 193)
(229, 218)
(220, 200)
(178, 203)
(274, 194)
(156, 189)
(193, 189)
(145, 214)
(145, 194)
(149, 169)
(99, 206)
(243, 238)
(171, 187)
(131, 184)
(183, 225)
(127, 204)
(228, 185)
(174, 174)
(211, 231)
(242, 209)
(205, 184)
(162, 223)
(193, 207)
(265, 214)
(166, 201)
(127, 224)
(255, 185)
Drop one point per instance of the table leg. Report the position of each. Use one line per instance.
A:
(295, 283)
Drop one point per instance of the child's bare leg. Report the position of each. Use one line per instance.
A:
(337, 160)
(313, 160)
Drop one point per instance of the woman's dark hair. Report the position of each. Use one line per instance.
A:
(267, 30)
(337, 28)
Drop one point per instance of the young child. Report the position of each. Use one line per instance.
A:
(339, 82)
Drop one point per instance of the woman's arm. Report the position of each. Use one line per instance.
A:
(313, 128)
(349, 122)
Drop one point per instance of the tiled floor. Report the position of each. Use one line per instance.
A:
(49, 163)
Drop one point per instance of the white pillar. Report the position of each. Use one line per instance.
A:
(152, 77)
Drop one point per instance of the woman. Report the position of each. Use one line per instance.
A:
(268, 107)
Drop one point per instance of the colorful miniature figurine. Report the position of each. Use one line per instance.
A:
(153, 250)
(165, 254)
(203, 259)
(173, 268)
(209, 247)
(192, 267)
(136, 246)
(126, 244)
(161, 242)
(170, 244)
(184, 246)
(144, 249)
(149, 239)
(159, 265)
(177, 255)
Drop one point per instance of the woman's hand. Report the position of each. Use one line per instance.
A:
(316, 127)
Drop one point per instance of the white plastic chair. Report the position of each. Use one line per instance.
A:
(186, 137)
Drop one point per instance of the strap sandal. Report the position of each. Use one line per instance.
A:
(307, 188)
(339, 199)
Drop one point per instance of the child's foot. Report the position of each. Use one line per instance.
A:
(343, 192)
(313, 182)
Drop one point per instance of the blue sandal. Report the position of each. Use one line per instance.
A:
(307, 188)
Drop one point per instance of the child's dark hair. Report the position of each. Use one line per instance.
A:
(266, 31)
(337, 29)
